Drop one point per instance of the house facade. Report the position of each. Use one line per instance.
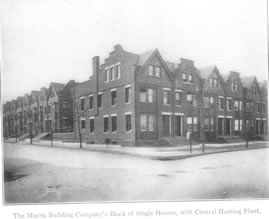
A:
(143, 99)
(136, 99)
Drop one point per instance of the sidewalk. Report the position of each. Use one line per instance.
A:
(156, 153)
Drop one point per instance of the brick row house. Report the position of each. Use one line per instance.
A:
(40, 112)
(136, 99)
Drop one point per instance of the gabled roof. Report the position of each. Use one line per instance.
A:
(247, 81)
(206, 71)
(172, 66)
(57, 86)
(145, 56)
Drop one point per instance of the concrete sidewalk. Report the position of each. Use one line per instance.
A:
(157, 153)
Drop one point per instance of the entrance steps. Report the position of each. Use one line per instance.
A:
(40, 136)
(22, 137)
(175, 141)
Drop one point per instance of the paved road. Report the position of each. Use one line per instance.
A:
(45, 174)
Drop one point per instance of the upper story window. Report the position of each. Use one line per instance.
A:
(213, 82)
(106, 74)
(52, 94)
(187, 78)
(258, 107)
(192, 99)
(113, 97)
(229, 104)
(82, 104)
(127, 94)
(42, 97)
(249, 107)
(184, 77)
(99, 100)
(118, 71)
(235, 86)
(112, 73)
(91, 102)
(178, 98)
(238, 105)
(166, 97)
(154, 71)
(221, 103)
(263, 108)
(208, 101)
(190, 78)
(146, 95)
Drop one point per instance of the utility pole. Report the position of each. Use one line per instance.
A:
(201, 112)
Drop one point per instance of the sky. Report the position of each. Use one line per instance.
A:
(45, 41)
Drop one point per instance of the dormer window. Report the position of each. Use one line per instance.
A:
(154, 71)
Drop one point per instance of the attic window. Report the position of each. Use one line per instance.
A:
(213, 82)
(154, 71)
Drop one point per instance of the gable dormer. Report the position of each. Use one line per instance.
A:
(152, 68)
(213, 78)
(252, 87)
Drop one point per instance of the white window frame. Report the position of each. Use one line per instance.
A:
(119, 73)
(107, 75)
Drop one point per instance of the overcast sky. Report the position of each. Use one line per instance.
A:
(48, 40)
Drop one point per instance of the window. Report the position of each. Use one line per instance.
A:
(229, 104)
(99, 100)
(106, 75)
(83, 124)
(114, 123)
(127, 94)
(192, 99)
(118, 71)
(64, 106)
(189, 98)
(128, 122)
(178, 98)
(112, 73)
(263, 108)
(154, 71)
(252, 107)
(106, 124)
(157, 71)
(113, 97)
(184, 77)
(195, 124)
(147, 122)
(195, 99)
(208, 101)
(206, 124)
(234, 86)
(91, 102)
(258, 107)
(190, 78)
(91, 124)
(82, 104)
(150, 70)
(146, 95)
(221, 103)
(212, 124)
(166, 97)
(213, 82)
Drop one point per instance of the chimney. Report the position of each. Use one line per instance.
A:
(95, 65)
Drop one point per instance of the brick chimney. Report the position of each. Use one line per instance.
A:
(95, 65)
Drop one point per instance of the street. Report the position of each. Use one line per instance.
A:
(35, 174)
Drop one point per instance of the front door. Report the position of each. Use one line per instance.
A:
(228, 126)
(179, 125)
(221, 126)
(166, 125)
